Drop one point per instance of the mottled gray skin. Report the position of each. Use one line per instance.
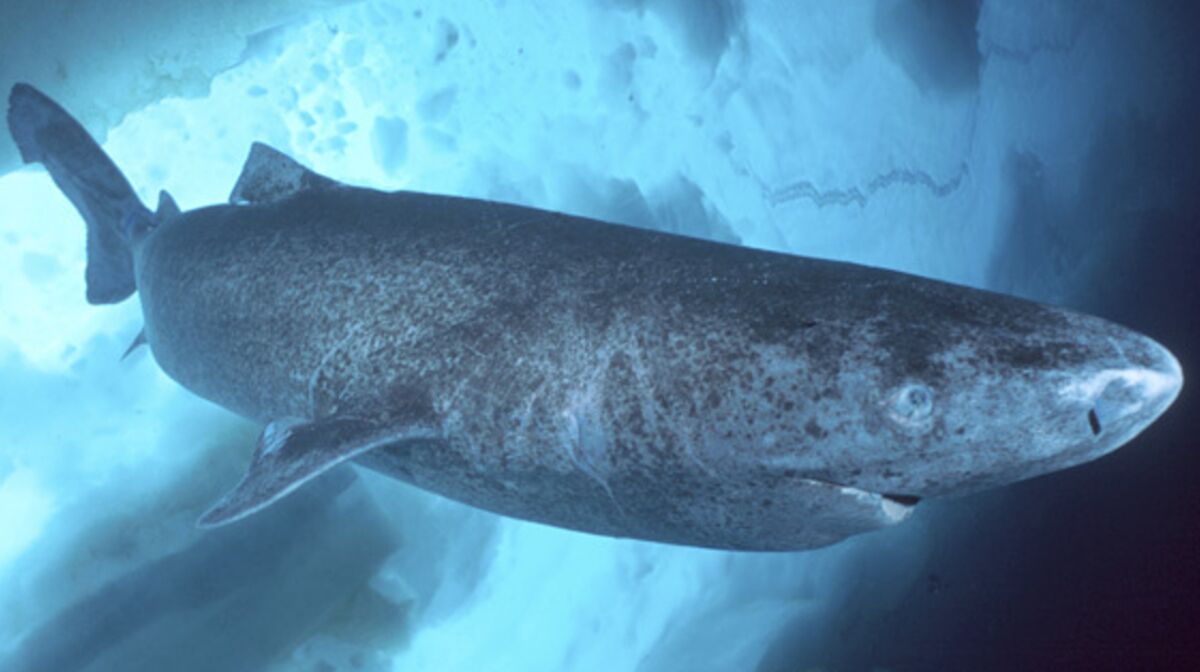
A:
(626, 382)
(584, 374)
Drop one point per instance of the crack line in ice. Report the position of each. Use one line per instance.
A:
(805, 189)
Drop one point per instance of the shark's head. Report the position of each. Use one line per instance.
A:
(995, 390)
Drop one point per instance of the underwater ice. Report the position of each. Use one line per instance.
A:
(839, 130)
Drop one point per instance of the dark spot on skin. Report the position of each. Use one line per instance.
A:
(814, 430)
(1094, 421)
(776, 324)
(713, 400)
(960, 431)
(662, 399)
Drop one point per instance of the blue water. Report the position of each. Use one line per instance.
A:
(1042, 149)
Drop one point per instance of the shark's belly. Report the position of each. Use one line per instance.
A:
(680, 504)
(610, 438)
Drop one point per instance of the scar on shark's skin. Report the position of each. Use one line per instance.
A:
(588, 375)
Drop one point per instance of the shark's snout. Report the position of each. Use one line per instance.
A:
(1095, 395)
(1140, 395)
(1123, 401)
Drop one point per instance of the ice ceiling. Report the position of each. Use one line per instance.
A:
(895, 133)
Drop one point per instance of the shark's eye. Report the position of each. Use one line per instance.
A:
(911, 403)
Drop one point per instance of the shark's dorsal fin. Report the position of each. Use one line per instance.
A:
(292, 452)
(167, 208)
(270, 175)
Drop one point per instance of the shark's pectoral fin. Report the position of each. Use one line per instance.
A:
(269, 175)
(293, 452)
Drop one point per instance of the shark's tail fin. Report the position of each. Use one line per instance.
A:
(45, 133)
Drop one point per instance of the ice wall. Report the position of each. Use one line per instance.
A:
(902, 134)
(106, 58)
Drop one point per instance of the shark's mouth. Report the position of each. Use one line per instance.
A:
(881, 507)
(905, 500)
(897, 507)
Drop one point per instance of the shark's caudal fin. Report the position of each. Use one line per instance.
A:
(46, 134)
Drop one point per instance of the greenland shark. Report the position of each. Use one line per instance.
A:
(584, 374)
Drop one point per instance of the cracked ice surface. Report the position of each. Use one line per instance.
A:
(820, 129)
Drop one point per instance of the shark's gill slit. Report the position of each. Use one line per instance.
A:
(1094, 421)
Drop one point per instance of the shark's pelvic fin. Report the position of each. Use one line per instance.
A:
(292, 452)
(270, 175)
(138, 341)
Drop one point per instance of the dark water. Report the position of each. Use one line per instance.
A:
(1098, 567)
